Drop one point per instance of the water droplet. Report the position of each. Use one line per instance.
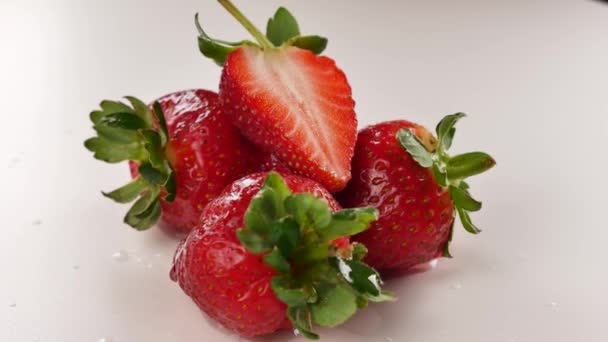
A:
(104, 339)
(552, 305)
(433, 263)
(456, 286)
(120, 256)
(37, 222)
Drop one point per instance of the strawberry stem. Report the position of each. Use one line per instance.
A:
(247, 24)
(295, 232)
(128, 133)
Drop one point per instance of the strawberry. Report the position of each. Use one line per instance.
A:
(406, 173)
(286, 99)
(270, 253)
(183, 153)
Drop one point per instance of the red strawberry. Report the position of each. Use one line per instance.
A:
(288, 100)
(403, 171)
(289, 265)
(186, 163)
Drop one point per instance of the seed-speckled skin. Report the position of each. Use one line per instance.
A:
(227, 282)
(415, 212)
(206, 151)
(295, 105)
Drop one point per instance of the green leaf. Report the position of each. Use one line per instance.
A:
(267, 205)
(282, 27)
(362, 302)
(289, 296)
(439, 176)
(359, 251)
(170, 187)
(315, 44)
(308, 211)
(215, 49)
(465, 219)
(285, 234)
(384, 296)
(111, 107)
(462, 199)
(312, 253)
(141, 109)
(446, 249)
(128, 192)
(146, 219)
(301, 319)
(334, 307)
(254, 242)
(111, 152)
(362, 278)
(277, 261)
(415, 148)
(153, 144)
(445, 129)
(264, 209)
(162, 124)
(96, 115)
(469, 164)
(275, 182)
(145, 211)
(116, 135)
(464, 185)
(448, 139)
(128, 121)
(151, 175)
(348, 222)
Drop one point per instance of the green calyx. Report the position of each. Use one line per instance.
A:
(282, 30)
(450, 172)
(128, 133)
(320, 284)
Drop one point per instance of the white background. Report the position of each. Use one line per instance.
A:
(532, 75)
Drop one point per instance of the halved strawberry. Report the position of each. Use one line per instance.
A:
(286, 99)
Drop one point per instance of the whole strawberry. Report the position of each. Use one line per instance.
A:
(406, 173)
(270, 253)
(183, 153)
(287, 99)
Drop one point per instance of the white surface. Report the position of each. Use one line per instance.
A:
(533, 76)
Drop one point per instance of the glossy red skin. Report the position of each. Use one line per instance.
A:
(206, 151)
(415, 212)
(231, 285)
(261, 115)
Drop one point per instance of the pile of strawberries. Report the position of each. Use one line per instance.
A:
(258, 176)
